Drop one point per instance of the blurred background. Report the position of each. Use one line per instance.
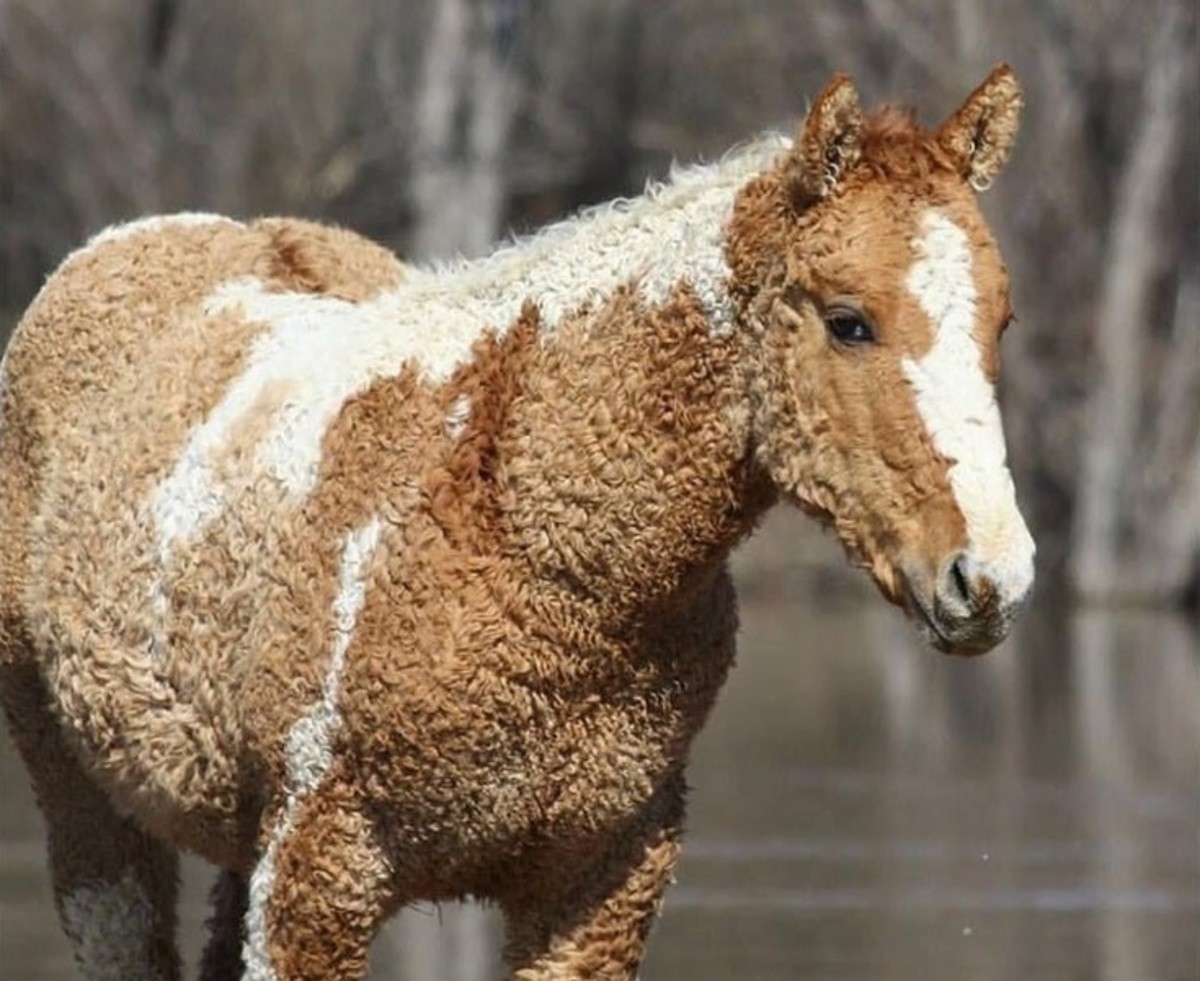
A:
(863, 807)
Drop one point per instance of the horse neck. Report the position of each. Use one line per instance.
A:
(612, 419)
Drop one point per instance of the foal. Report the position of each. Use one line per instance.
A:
(373, 585)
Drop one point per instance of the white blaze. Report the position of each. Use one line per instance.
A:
(958, 406)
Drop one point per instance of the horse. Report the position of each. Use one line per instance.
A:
(373, 584)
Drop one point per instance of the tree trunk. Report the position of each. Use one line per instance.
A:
(1099, 563)
(463, 115)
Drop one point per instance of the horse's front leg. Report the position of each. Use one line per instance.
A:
(222, 959)
(592, 921)
(320, 890)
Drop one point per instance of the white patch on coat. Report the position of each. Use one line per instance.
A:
(151, 223)
(958, 406)
(159, 610)
(328, 349)
(458, 416)
(110, 925)
(310, 743)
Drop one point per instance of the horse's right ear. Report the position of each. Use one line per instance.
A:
(827, 144)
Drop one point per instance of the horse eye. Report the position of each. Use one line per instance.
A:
(848, 326)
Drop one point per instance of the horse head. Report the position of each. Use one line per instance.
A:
(876, 298)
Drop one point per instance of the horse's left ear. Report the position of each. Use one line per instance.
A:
(827, 144)
(979, 136)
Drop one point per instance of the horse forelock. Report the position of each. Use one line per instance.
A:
(895, 147)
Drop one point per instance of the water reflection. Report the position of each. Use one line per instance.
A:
(869, 810)
(865, 808)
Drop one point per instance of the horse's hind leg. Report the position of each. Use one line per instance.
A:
(114, 885)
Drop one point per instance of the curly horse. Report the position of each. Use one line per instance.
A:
(373, 585)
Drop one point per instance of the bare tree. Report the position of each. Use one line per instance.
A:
(1120, 461)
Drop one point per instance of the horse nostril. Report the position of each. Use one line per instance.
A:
(973, 601)
(958, 573)
(958, 582)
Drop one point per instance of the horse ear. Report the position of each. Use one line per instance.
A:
(979, 136)
(827, 144)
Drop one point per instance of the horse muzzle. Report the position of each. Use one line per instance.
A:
(969, 605)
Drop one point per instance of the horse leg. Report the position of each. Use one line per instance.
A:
(115, 886)
(222, 959)
(320, 890)
(594, 921)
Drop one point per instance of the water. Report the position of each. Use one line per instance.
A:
(864, 808)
